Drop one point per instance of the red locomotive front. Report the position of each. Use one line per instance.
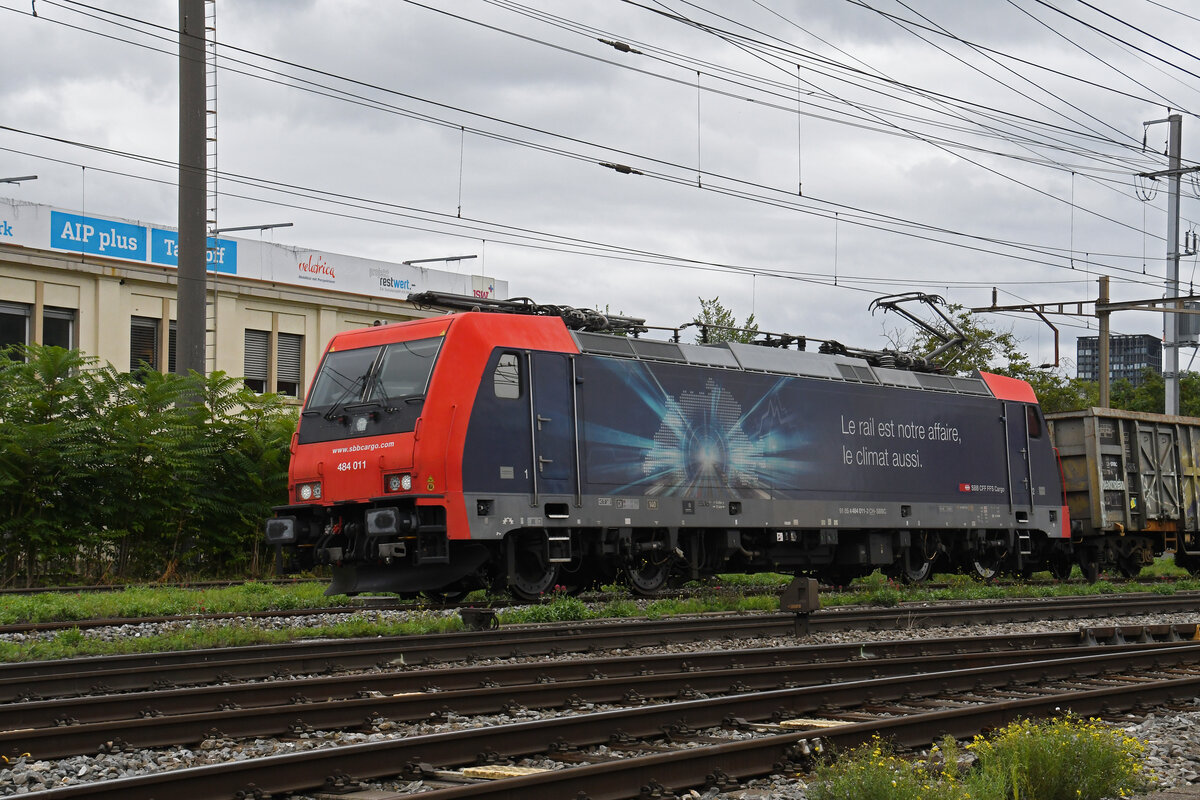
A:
(375, 479)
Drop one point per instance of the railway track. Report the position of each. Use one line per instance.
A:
(103, 675)
(55, 729)
(733, 724)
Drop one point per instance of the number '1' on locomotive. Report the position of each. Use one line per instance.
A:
(510, 450)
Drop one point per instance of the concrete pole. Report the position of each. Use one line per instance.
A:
(1103, 314)
(193, 187)
(1170, 320)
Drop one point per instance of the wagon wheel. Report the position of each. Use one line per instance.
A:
(530, 572)
(1130, 564)
(1188, 561)
(1060, 566)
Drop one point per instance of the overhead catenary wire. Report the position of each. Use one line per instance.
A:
(524, 237)
(463, 129)
(709, 186)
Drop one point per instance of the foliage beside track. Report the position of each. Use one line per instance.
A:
(150, 601)
(734, 594)
(1067, 758)
(115, 477)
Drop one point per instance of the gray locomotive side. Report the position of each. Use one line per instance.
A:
(660, 459)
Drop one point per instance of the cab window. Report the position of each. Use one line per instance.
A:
(1033, 422)
(506, 378)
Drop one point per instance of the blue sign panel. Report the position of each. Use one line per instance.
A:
(164, 249)
(100, 237)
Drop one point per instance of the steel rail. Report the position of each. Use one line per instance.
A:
(149, 728)
(312, 768)
(112, 707)
(700, 767)
(103, 675)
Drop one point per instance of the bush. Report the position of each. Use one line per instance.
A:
(873, 771)
(112, 477)
(1062, 759)
(1059, 759)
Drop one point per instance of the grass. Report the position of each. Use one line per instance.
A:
(726, 593)
(151, 601)
(1067, 758)
(73, 642)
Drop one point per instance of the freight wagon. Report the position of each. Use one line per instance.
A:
(1132, 483)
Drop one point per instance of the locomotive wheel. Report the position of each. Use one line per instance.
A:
(917, 562)
(839, 576)
(647, 567)
(530, 573)
(985, 567)
(445, 596)
(648, 577)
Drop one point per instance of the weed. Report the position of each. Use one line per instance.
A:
(561, 608)
(1060, 759)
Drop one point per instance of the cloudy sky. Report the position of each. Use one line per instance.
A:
(796, 158)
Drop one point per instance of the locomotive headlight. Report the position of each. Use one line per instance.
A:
(309, 491)
(399, 482)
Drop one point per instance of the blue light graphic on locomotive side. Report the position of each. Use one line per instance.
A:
(659, 429)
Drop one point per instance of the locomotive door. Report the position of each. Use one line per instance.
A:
(552, 418)
(1016, 425)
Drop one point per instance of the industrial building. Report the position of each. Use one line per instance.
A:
(107, 286)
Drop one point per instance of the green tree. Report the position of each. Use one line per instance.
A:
(49, 446)
(718, 324)
(109, 475)
(998, 350)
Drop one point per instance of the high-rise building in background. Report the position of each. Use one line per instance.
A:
(1128, 356)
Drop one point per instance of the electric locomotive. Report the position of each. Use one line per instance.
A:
(536, 448)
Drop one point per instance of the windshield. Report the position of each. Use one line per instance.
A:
(342, 378)
(404, 370)
(369, 391)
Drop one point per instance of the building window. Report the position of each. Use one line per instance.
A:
(258, 356)
(289, 348)
(171, 345)
(14, 324)
(58, 327)
(143, 344)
